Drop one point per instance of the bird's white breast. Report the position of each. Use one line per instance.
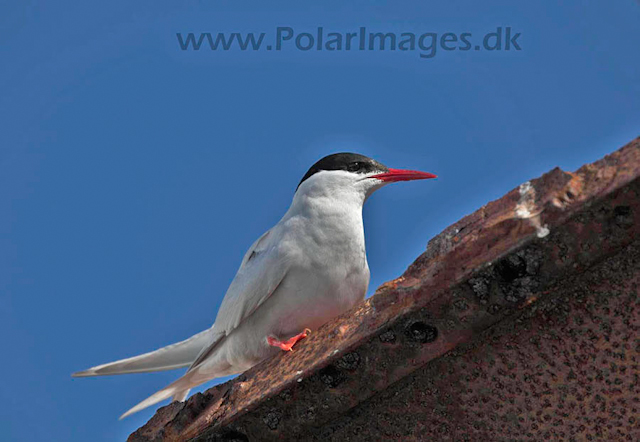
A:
(321, 238)
(329, 273)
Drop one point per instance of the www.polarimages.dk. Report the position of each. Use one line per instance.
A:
(427, 44)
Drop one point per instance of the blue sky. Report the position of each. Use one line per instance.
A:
(134, 175)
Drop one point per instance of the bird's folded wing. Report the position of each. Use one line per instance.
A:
(263, 269)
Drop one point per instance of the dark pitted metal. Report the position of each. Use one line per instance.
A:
(519, 322)
(564, 369)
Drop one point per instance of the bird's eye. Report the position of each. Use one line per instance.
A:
(355, 166)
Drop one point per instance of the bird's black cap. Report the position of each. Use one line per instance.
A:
(351, 162)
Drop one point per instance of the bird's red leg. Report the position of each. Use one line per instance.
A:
(289, 343)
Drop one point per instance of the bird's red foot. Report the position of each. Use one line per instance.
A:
(289, 343)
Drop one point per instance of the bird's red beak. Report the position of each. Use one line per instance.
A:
(403, 175)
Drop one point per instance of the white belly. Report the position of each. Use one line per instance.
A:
(305, 299)
(310, 299)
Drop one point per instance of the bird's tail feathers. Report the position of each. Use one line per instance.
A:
(177, 390)
(180, 396)
(178, 355)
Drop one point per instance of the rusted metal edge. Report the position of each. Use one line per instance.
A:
(475, 273)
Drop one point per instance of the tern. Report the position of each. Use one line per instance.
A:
(310, 267)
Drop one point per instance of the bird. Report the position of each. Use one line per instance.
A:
(307, 269)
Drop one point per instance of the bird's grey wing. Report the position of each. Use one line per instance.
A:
(263, 268)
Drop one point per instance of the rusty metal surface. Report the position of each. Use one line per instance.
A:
(565, 369)
(505, 260)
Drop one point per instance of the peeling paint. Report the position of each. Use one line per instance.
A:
(526, 209)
